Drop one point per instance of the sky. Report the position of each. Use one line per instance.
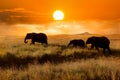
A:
(36, 16)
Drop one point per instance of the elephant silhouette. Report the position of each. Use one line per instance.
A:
(77, 43)
(99, 42)
(36, 37)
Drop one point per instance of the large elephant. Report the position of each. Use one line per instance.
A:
(99, 42)
(36, 37)
(77, 43)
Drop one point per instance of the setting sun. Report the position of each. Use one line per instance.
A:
(58, 15)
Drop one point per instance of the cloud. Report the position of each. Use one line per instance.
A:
(20, 15)
(72, 27)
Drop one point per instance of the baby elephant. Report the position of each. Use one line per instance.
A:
(77, 43)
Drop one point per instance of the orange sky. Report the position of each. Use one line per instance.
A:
(73, 9)
(102, 16)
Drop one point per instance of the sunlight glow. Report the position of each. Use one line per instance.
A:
(58, 15)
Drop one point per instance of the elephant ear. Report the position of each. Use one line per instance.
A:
(93, 40)
(88, 41)
(29, 35)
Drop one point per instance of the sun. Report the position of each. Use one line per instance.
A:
(58, 15)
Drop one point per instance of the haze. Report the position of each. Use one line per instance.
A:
(94, 16)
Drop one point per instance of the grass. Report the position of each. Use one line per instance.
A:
(91, 69)
(19, 61)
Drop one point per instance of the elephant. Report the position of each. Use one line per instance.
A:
(77, 43)
(36, 37)
(99, 42)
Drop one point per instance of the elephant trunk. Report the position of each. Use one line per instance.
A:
(25, 40)
(85, 46)
(69, 45)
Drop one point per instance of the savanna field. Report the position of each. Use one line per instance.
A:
(20, 61)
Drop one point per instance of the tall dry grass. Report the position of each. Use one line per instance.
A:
(91, 69)
(19, 61)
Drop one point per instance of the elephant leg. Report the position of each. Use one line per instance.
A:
(92, 46)
(42, 43)
(97, 49)
(32, 42)
(46, 42)
(103, 50)
(109, 50)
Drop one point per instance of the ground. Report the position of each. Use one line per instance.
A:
(56, 62)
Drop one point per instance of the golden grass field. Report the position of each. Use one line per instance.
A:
(19, 61)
